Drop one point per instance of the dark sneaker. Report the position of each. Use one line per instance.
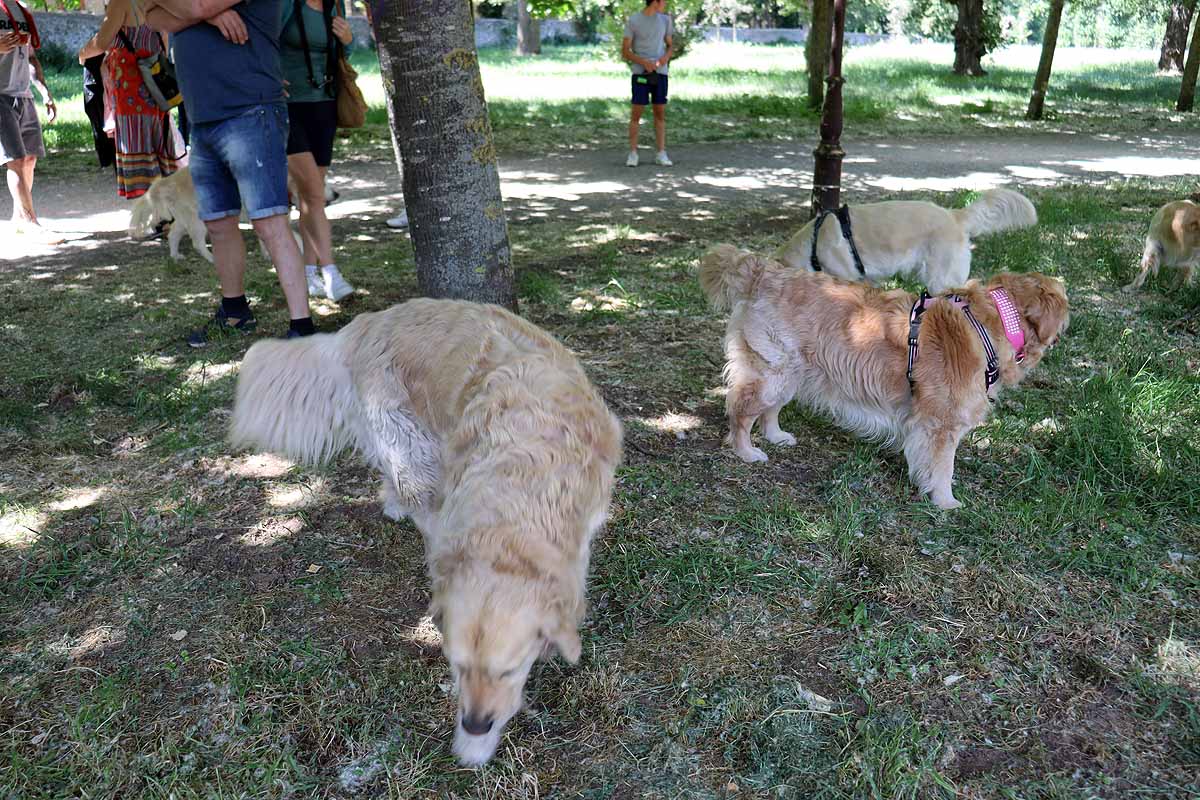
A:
(221, 324)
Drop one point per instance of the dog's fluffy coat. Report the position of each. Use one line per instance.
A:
(924, 240)
(842, 347)
(1173, 241)
(488, 433)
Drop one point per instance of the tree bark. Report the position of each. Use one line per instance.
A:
(1042, 81)
(816, 50)
(827, 172)
(529, 31)
(1179, 19)
(1187, 89)
(969, 48)
(440, 119)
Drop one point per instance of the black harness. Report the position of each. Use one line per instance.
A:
(991, 372)
(843, 218)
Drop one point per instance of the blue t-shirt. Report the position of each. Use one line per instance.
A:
(220, 79)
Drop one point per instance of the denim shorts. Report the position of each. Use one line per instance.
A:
(241, 161)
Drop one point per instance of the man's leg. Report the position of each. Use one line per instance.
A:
(229, 255)
(276, 236)
(20, 186)
(635, 120)
(660, 127)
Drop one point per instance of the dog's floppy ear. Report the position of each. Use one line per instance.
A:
(565, 638)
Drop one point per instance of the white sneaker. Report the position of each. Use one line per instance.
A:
(632, 160)
(399, 221)
(316, 284)
(662, 160)
(336, 287)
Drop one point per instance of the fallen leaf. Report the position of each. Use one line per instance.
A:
(178, 635)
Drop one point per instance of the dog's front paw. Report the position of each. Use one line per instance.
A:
(751, 455)
(782, 438)
(947, 503)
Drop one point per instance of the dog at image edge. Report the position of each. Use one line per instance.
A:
(1173, 241)
(842, 347)
(912, 237)
(488, 434)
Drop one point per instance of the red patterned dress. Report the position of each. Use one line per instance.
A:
(147, 146)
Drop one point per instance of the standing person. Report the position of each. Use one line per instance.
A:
(227, 63)
(308, 56)
(20, 132)
(647, 47)
(146, 143)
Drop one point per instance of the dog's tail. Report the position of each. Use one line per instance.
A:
(296, 398)
(996, 210)
(728, 274)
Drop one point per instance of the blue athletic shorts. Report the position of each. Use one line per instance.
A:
(241, 161)
(644, 94)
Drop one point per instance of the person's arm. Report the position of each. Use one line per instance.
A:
(114, 19)
(183, 13)
(38, 79)
(633, 58)
(666, 57)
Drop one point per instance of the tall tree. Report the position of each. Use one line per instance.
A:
(440, 119)
(816, 50)
(1179, 19)
(1187, 89)
(529, 31)
(827, 171)
(1041, 81)
(971, 42)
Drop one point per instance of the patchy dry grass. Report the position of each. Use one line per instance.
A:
(179, 620)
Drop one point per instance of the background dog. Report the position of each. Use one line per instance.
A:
(1173, 241)
(487, 432)
(924, 240)
(842, 347)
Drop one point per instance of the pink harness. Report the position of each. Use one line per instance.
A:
(1010, 318)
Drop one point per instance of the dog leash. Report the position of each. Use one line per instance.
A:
(843, 218)
(991, 371)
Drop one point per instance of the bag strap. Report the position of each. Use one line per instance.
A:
(125, 41)
(35, 39)
(298, 15)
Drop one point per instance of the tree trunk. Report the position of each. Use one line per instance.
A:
(448, 161)
(1179, 19)
(816, 50)
(827, 173)
(969, 49)
(1187, 90)
(1042, 81)
(529, 31)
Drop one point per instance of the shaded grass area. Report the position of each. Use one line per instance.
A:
(575, 96)
(178, 617)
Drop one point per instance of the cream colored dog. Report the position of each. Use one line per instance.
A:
(926, 241)
(487, 432)
(842, 348)
(1173, 241)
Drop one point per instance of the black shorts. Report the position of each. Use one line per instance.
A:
(311, 128)
(644, 94)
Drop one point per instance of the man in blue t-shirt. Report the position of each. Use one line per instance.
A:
(227, 63)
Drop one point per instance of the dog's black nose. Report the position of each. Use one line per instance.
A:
(476, 726)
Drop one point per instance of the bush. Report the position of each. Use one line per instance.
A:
(56, 57)
(685, 15)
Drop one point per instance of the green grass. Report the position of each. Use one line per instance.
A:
(575, 96)
(803, 628)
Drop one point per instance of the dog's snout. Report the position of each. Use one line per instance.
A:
(476, 726)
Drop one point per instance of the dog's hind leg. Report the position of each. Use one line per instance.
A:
(407, 455)
(173, 240)
(948, 269)
(771, 429)
(744, 405)
(199, 235)
(1151, 259)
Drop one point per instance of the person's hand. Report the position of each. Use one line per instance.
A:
(341, 29)
(51, 111)
(9, 42)
(231, 26)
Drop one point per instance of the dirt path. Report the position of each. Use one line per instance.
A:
(592, 186)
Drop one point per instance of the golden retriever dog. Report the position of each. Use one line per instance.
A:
(172, 199)
(842, 347)
(486, 432)
(923, 240)
(1173, 241)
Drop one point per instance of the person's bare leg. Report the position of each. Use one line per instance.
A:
(660, 128)
(314, 224)
(229, 255)
(635, 120)
(20, 186)
(276, 236)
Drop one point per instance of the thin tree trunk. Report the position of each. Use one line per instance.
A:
(1179, 19)
(440, 119)
(827, 173)
(1042, 81)
(1187, 90)
(529, 31)
(969, 49)
(816, 50)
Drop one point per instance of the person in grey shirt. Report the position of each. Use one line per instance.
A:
(647, 47)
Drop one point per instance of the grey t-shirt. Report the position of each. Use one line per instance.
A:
(14, 65)
(647, 34)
